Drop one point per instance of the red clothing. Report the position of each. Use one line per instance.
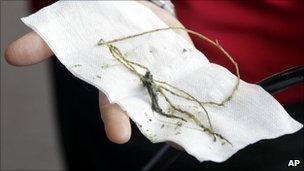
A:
(264, 37)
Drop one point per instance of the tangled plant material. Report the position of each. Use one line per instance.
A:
(158, 87)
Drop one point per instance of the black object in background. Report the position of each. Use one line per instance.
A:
(86, 146)
(83, 137)
(166, 156)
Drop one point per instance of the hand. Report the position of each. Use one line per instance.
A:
(31, 49)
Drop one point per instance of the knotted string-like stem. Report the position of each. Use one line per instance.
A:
(158, 87)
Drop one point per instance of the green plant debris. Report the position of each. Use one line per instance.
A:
(76, 65)
(106, 66)
(158, 88)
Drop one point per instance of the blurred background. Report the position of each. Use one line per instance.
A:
(50, 120)
(29, 131)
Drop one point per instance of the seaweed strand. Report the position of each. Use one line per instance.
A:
(158, 87)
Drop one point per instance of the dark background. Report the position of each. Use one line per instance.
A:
(85, 144)
(87, 147)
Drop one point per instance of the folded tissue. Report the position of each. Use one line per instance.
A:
(72, 30)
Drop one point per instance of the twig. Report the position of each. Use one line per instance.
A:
(155, 87)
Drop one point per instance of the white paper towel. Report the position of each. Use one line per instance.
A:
(72, 30)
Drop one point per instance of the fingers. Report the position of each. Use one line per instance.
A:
(31, 48)
(166, 17)
(176, 146)
(27, 50)
(117, 123)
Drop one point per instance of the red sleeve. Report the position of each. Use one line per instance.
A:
(264, 37)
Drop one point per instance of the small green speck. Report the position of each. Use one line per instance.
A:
(105, 66)
(76, 65)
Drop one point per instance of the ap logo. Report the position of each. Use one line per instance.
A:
(293, 163)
